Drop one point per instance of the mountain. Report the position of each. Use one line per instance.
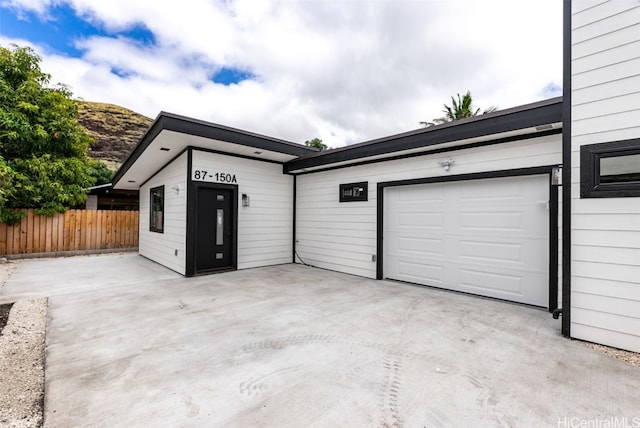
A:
(116, 130)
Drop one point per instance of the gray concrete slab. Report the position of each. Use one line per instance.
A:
(130, 343)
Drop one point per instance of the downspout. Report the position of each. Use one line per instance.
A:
(293, 255)
(566, 174)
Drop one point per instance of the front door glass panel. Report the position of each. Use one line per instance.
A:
(220, 227)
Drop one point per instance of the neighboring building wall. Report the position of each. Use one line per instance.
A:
(265, 235)
(161, 247)
(605, 106)
(342, 236)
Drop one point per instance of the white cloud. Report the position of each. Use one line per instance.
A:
(346, 71)
(38, 6)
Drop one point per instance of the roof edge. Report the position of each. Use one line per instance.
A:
(187, 125)
(510, 119)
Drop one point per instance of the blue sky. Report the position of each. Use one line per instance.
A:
(345, 71)
(60, 29)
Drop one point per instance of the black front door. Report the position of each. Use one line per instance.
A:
(214, 229)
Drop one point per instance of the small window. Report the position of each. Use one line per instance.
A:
(610, 170)
(353, 192)
(156, 219)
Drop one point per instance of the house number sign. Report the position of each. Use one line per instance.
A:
(213, 176)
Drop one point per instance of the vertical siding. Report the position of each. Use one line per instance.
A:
(265, 228)
(342, 236)
(605, 278)
(161, 247)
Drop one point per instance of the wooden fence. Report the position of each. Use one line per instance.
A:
(74, 230)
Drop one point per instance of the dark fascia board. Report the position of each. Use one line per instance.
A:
(526, 116)
(172, 122)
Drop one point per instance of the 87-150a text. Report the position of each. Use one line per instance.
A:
(219, 177)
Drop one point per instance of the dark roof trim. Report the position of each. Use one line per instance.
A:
(526, 116)
(187, 125)
(200, 128)
(432, 151)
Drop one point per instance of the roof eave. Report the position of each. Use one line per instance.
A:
(172, 122)
(526, 116)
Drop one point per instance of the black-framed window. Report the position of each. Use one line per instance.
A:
(610, 170)
(354, 192)
(156, 209)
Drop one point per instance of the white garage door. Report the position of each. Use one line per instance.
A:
(487, 237)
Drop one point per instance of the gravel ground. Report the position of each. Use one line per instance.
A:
(632, 358)
(22, 361)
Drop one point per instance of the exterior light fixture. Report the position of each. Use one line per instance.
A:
(176, 188)
(245, 200)
(446, 164)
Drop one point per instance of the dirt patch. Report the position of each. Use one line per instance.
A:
(4, 315)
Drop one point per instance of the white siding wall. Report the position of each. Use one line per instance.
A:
(161, 247)
(342, 236)
(605, 297)
(265, 231)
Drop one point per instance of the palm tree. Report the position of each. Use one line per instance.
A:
(459, 109)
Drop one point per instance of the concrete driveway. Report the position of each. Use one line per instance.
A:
(130, 343)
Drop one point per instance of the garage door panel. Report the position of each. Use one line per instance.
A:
(502, 282)
(434, 274)
(495, 252)
(490, 283)
(499, 191)
(506, 250)
(421, 196)
(431, 220)
(421, 246)
(522, 292)
(489, 245)
(490, 221)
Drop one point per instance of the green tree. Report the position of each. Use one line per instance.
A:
(43, 150)
(101, 172)
(317, 143)
(459, 109)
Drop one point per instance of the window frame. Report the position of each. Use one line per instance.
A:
(363, 197)
(590, 156)
(152, 226)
